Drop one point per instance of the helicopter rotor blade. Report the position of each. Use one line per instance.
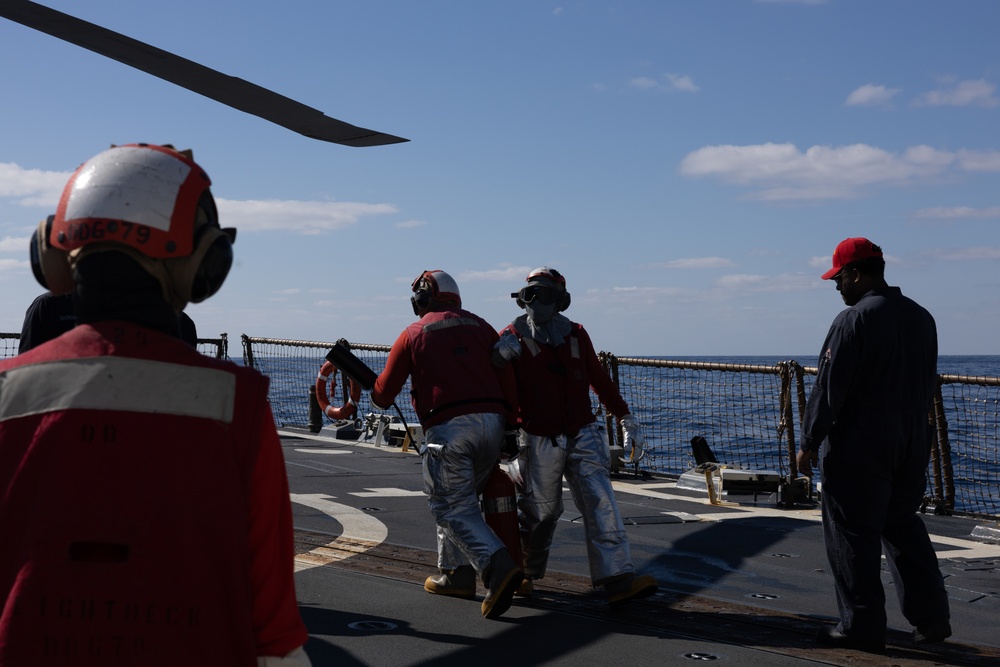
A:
(229, 90)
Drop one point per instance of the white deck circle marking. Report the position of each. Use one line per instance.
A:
(357, 525)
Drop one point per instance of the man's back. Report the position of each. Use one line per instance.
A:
(125, 468)
(49, 316)
(895, 343)
(451, 369)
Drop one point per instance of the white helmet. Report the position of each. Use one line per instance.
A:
(545, 284)
(150, 202)
(435, 285)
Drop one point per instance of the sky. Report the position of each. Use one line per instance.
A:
(689, 166)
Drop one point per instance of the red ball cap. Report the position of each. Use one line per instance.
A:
(851, 250)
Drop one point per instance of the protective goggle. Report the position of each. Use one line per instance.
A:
(543, 293)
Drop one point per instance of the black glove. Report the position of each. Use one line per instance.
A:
(510, 446)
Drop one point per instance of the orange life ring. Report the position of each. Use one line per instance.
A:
(349, 408)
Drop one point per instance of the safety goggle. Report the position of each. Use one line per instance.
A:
(543, 293)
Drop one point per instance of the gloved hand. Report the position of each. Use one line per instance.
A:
(506, 349)
(511, 445)
(634, 441)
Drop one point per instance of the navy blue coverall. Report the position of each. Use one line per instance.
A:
(868, 415)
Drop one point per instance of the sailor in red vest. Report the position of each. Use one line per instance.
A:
(145, 517)
(556, 367)
(463, 402)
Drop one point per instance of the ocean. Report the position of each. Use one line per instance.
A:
(740, 421)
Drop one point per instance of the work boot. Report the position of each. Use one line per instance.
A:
(831, 635)
(459, 583)
(526, 588)
(630, 587)
(932, 633)
(502, 577)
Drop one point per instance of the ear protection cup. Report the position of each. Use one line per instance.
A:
(51, 266)
(194, 278)
(564, 301)
(420, 300)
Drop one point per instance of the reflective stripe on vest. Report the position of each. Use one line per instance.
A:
(451, 322)
(117, 383)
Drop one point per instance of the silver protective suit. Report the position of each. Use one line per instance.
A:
(585, 461)
(458, 457)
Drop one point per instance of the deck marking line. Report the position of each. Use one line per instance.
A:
(322, 451)
(385, 492)
(357, 525)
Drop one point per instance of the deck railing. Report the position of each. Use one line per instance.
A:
(747, 413)
(212, 347)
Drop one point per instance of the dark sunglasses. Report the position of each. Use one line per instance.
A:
(543, 293)
(840, 276)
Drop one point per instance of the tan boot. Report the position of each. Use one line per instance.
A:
(459, 583)
(502, 577)
(526, 588)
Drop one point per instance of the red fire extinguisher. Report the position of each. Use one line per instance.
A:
(500, 509)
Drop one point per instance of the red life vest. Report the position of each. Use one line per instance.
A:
(553, 384)
(126, 460)
(452, 373)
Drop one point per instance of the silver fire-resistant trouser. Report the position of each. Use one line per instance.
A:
(585, 461)
(458, 457)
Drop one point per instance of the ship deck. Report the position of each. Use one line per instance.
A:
(741, 584)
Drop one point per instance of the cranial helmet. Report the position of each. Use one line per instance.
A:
(432, 286)
(150, 202)
(545, 284)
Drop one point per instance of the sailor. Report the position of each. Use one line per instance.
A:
(866, 425)
(463, 403)
(556, 367)
(49, 316)
(145, 517)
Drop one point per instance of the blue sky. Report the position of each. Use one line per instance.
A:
(688, 165)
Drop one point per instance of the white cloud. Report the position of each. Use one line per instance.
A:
(783, 172)
(971, 253)
(408, 224)
(37, 188)
(823, 262)
(505, 272)
(669, 82)
(13, 265)
(957, 213)
(786, 282)
(695, 263)
(635, 294)
(962, 94)
(32, 187)
(303, 217)
(979, 160)
(871, 95)
(741, 280)
(14, 244)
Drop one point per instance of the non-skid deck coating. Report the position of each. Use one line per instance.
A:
(739, 585)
